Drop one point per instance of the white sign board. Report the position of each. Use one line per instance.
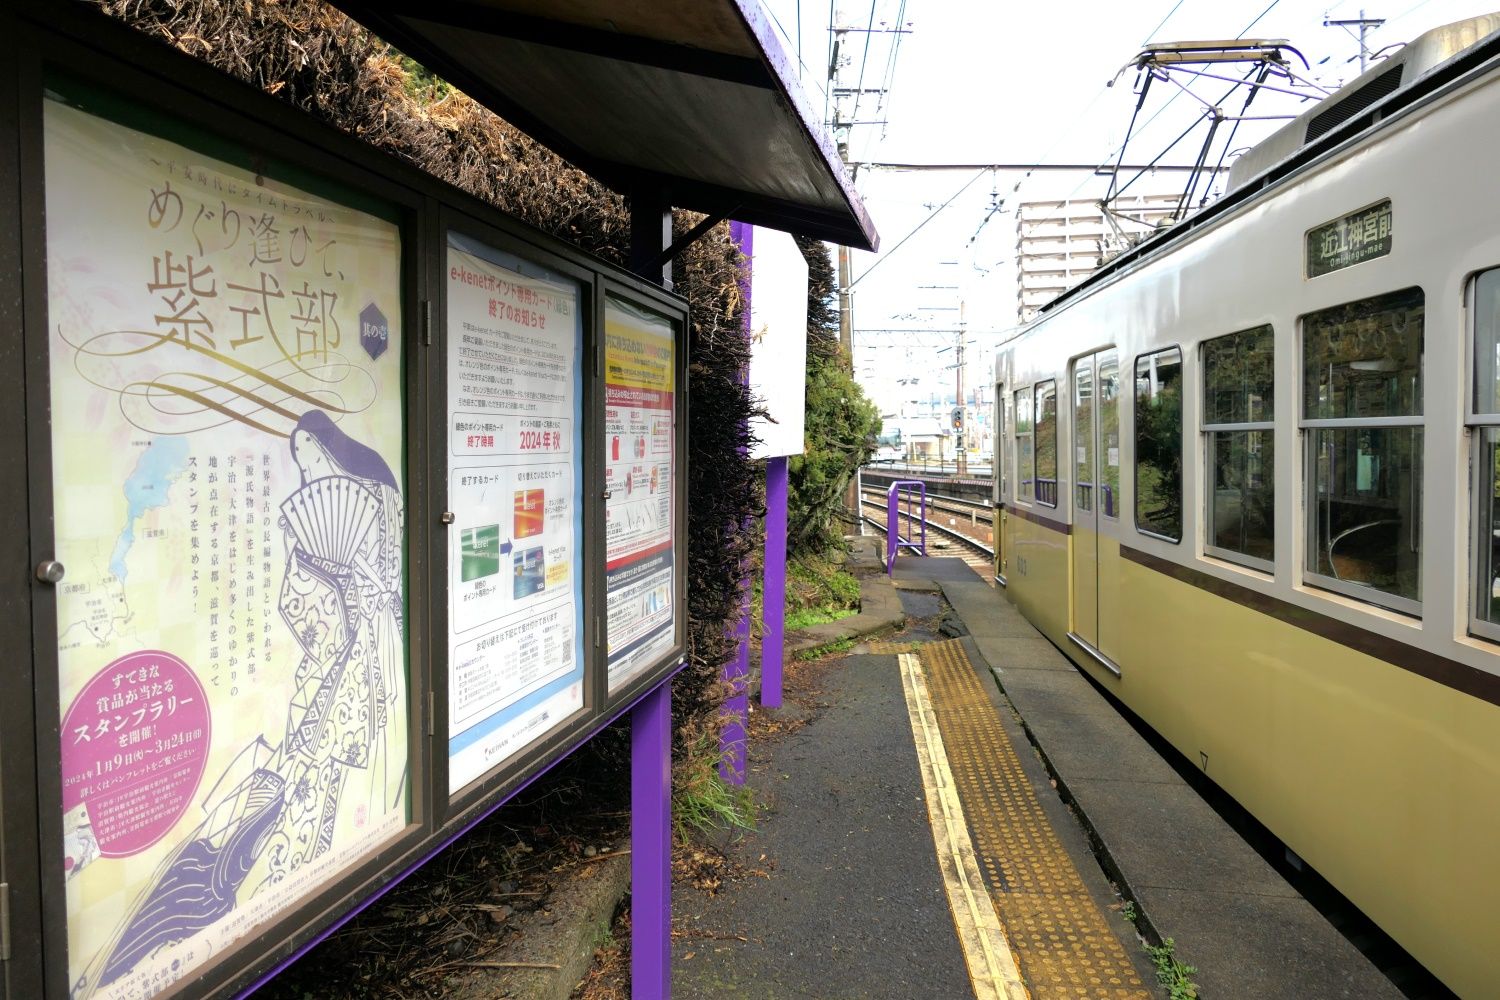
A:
(778, 342)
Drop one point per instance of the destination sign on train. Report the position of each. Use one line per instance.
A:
(1360, 236)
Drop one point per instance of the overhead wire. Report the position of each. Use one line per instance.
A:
(935, 213)
(859, 88)
(1414, 7)
(1063, 133)
(787, 35)
(1164, 21)
(888, 78)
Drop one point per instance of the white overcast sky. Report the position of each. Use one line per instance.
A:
(1023, 81)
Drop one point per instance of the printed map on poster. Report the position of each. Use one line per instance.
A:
(639, 466)
(515, 636)
(227, 433)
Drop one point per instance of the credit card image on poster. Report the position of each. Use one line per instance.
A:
(480, 552)
(530, 572)
(530, 508)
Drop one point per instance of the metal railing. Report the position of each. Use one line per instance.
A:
(905, 490)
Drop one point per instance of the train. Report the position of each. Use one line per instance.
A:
(1247, 476)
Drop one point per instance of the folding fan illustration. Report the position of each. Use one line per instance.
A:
(330, 517)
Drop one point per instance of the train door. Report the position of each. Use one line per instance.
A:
(998, 469)
(1096, 490)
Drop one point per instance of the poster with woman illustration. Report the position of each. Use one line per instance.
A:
(227, 432)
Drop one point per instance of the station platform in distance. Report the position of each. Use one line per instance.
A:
(927, 836)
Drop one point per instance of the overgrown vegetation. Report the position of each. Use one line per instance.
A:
(818, 590)
(841, 422)
(702, 801)
(808, 617)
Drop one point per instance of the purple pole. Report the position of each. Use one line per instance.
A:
(736, 710)
(651, 844)
(651, 718)
(773, 593)
(732, 737)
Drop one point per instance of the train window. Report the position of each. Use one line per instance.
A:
(1361, 420)
(1023, 445)
(1002, 487)
(1238, 433)
(1109, 433)
(1046, 443)
(1158, 444)
(1485, 420)
(1083, 435)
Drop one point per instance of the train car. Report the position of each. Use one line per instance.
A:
(1248, 478)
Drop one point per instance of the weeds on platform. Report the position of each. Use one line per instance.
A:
(818, 582)
(829, 649)
(808, 617)
(1175, 976)
(702, 801)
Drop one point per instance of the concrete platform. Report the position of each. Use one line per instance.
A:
(1194, 879)
(840, 896)
(845, 889)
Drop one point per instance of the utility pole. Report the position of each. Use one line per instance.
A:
(846, 310)
(846, 300)
(1364, 24)
(961, 451)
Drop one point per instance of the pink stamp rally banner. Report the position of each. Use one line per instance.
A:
(227, 435)
(135, 743)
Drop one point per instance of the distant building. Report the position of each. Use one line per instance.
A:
(1059, 243)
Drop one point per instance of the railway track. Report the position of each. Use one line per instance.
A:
(966, 536)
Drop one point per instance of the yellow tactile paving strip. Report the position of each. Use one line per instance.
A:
(1059, 936)
(993, 971)
(890, 648)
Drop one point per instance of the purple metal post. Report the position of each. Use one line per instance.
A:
(736, 710)
(651, 719)
(773, 592)
(651, 844)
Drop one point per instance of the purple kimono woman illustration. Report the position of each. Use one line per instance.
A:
(279, 808)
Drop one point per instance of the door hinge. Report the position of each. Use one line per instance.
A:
(4, 921)
(427, 323)
(431, 713)
(596, 631)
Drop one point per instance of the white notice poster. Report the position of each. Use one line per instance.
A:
(515, 666)
(639, 470)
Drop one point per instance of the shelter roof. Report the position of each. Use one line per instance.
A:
(694, 98)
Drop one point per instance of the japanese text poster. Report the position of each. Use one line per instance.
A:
(515, 668)
(639, 467)
(227, 434)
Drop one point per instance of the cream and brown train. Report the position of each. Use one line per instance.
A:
(1249, 480)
